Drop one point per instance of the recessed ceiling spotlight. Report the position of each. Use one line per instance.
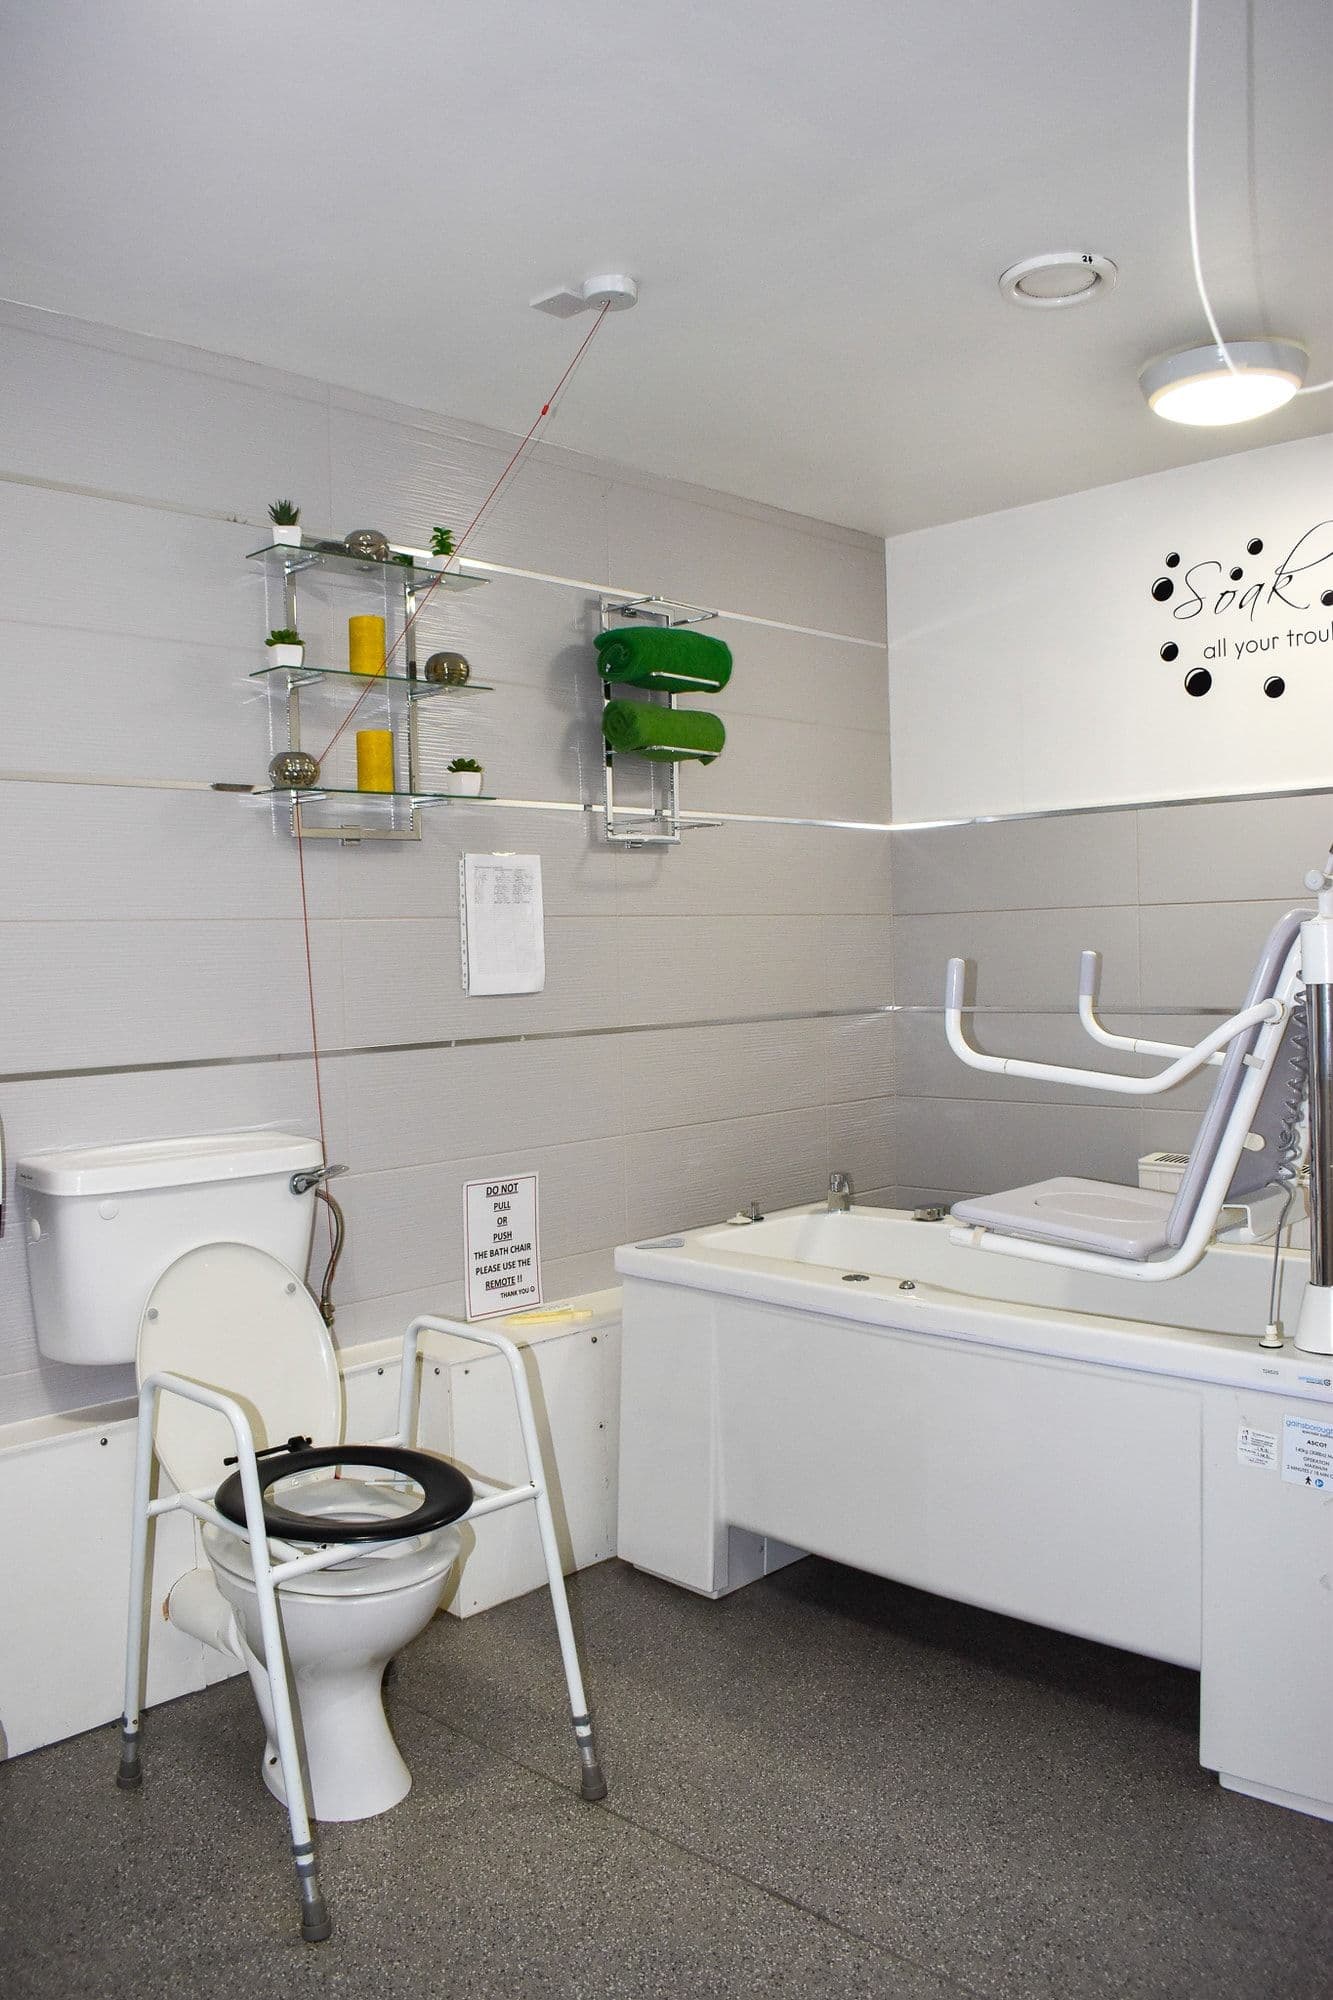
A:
(1198, 386)
(1058, 278)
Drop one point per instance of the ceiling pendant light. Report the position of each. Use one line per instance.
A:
(1230, 381)
(1224, 385)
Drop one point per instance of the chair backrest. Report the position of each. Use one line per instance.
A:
(1254, 1170)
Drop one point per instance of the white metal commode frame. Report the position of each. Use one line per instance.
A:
(316, 1923)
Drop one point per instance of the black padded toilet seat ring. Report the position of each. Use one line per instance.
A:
(446, 1493)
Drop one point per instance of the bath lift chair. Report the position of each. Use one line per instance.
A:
(1250, 1139)
(256, 1521)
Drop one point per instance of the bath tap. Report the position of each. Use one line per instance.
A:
(839, 1193)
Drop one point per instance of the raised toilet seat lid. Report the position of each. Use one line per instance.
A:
(236, 1319)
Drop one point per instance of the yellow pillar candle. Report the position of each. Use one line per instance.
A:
(374, 760)
(365, 645)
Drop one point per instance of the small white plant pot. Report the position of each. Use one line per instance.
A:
(433, 562)
(286, 536)
(285, 656)
(464, 784)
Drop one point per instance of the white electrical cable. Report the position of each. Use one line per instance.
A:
(1191, 195)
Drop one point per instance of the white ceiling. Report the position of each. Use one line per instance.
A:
(817, 201)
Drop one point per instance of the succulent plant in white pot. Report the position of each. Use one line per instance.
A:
(286, 516)
(441, 549)
(285, 648)
(464, 777)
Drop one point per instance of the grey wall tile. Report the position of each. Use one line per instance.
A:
(663, 543)
(1070, 863)
(863, 1141)
(406, 1226)
(116, 421)
(804, 769)
(862, 1056)
(714, 968)
(86, 994)
(980, 1148)
(1202, 954)
(403, 981)
(1232, 853)
(687, 1076)
(1020, 959)
(413, 1107)
(93, 853)
(700, 1173)
(859, 962)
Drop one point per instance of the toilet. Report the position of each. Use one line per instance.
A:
(184, 1256)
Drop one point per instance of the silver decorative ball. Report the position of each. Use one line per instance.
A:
(368, 543)
(447, 669)
(293, 771)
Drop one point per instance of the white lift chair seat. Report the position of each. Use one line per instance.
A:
(1137, 1224)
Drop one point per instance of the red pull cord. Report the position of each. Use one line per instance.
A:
(546, 410)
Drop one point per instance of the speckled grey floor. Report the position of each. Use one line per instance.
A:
(824, 1786)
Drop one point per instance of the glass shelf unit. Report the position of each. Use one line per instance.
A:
(328, 555)
(284, 679)
(336, 811)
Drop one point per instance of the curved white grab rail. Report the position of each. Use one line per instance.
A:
(1089, 983)
(1187, 1061)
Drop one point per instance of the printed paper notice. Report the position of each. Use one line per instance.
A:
(1307, 1453)
(500, 1246)
(504, 948)
(1256, 1447)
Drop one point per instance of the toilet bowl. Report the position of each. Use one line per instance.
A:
(236, 1319)
(340, 1628)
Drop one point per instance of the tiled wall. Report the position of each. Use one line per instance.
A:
(143, 928)
(1178, 901)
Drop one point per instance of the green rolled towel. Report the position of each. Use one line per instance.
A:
(664, 734)
(663, 657)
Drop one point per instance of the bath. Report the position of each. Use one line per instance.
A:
(857, 1386)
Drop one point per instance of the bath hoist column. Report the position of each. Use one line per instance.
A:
(1314, 1328)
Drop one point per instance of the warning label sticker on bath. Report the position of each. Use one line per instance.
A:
(1256, 1447)
(500, 1247)
(1307, 1453)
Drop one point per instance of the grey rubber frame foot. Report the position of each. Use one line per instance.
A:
(316, 1923)
(592, 1784)
(129, 1777)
